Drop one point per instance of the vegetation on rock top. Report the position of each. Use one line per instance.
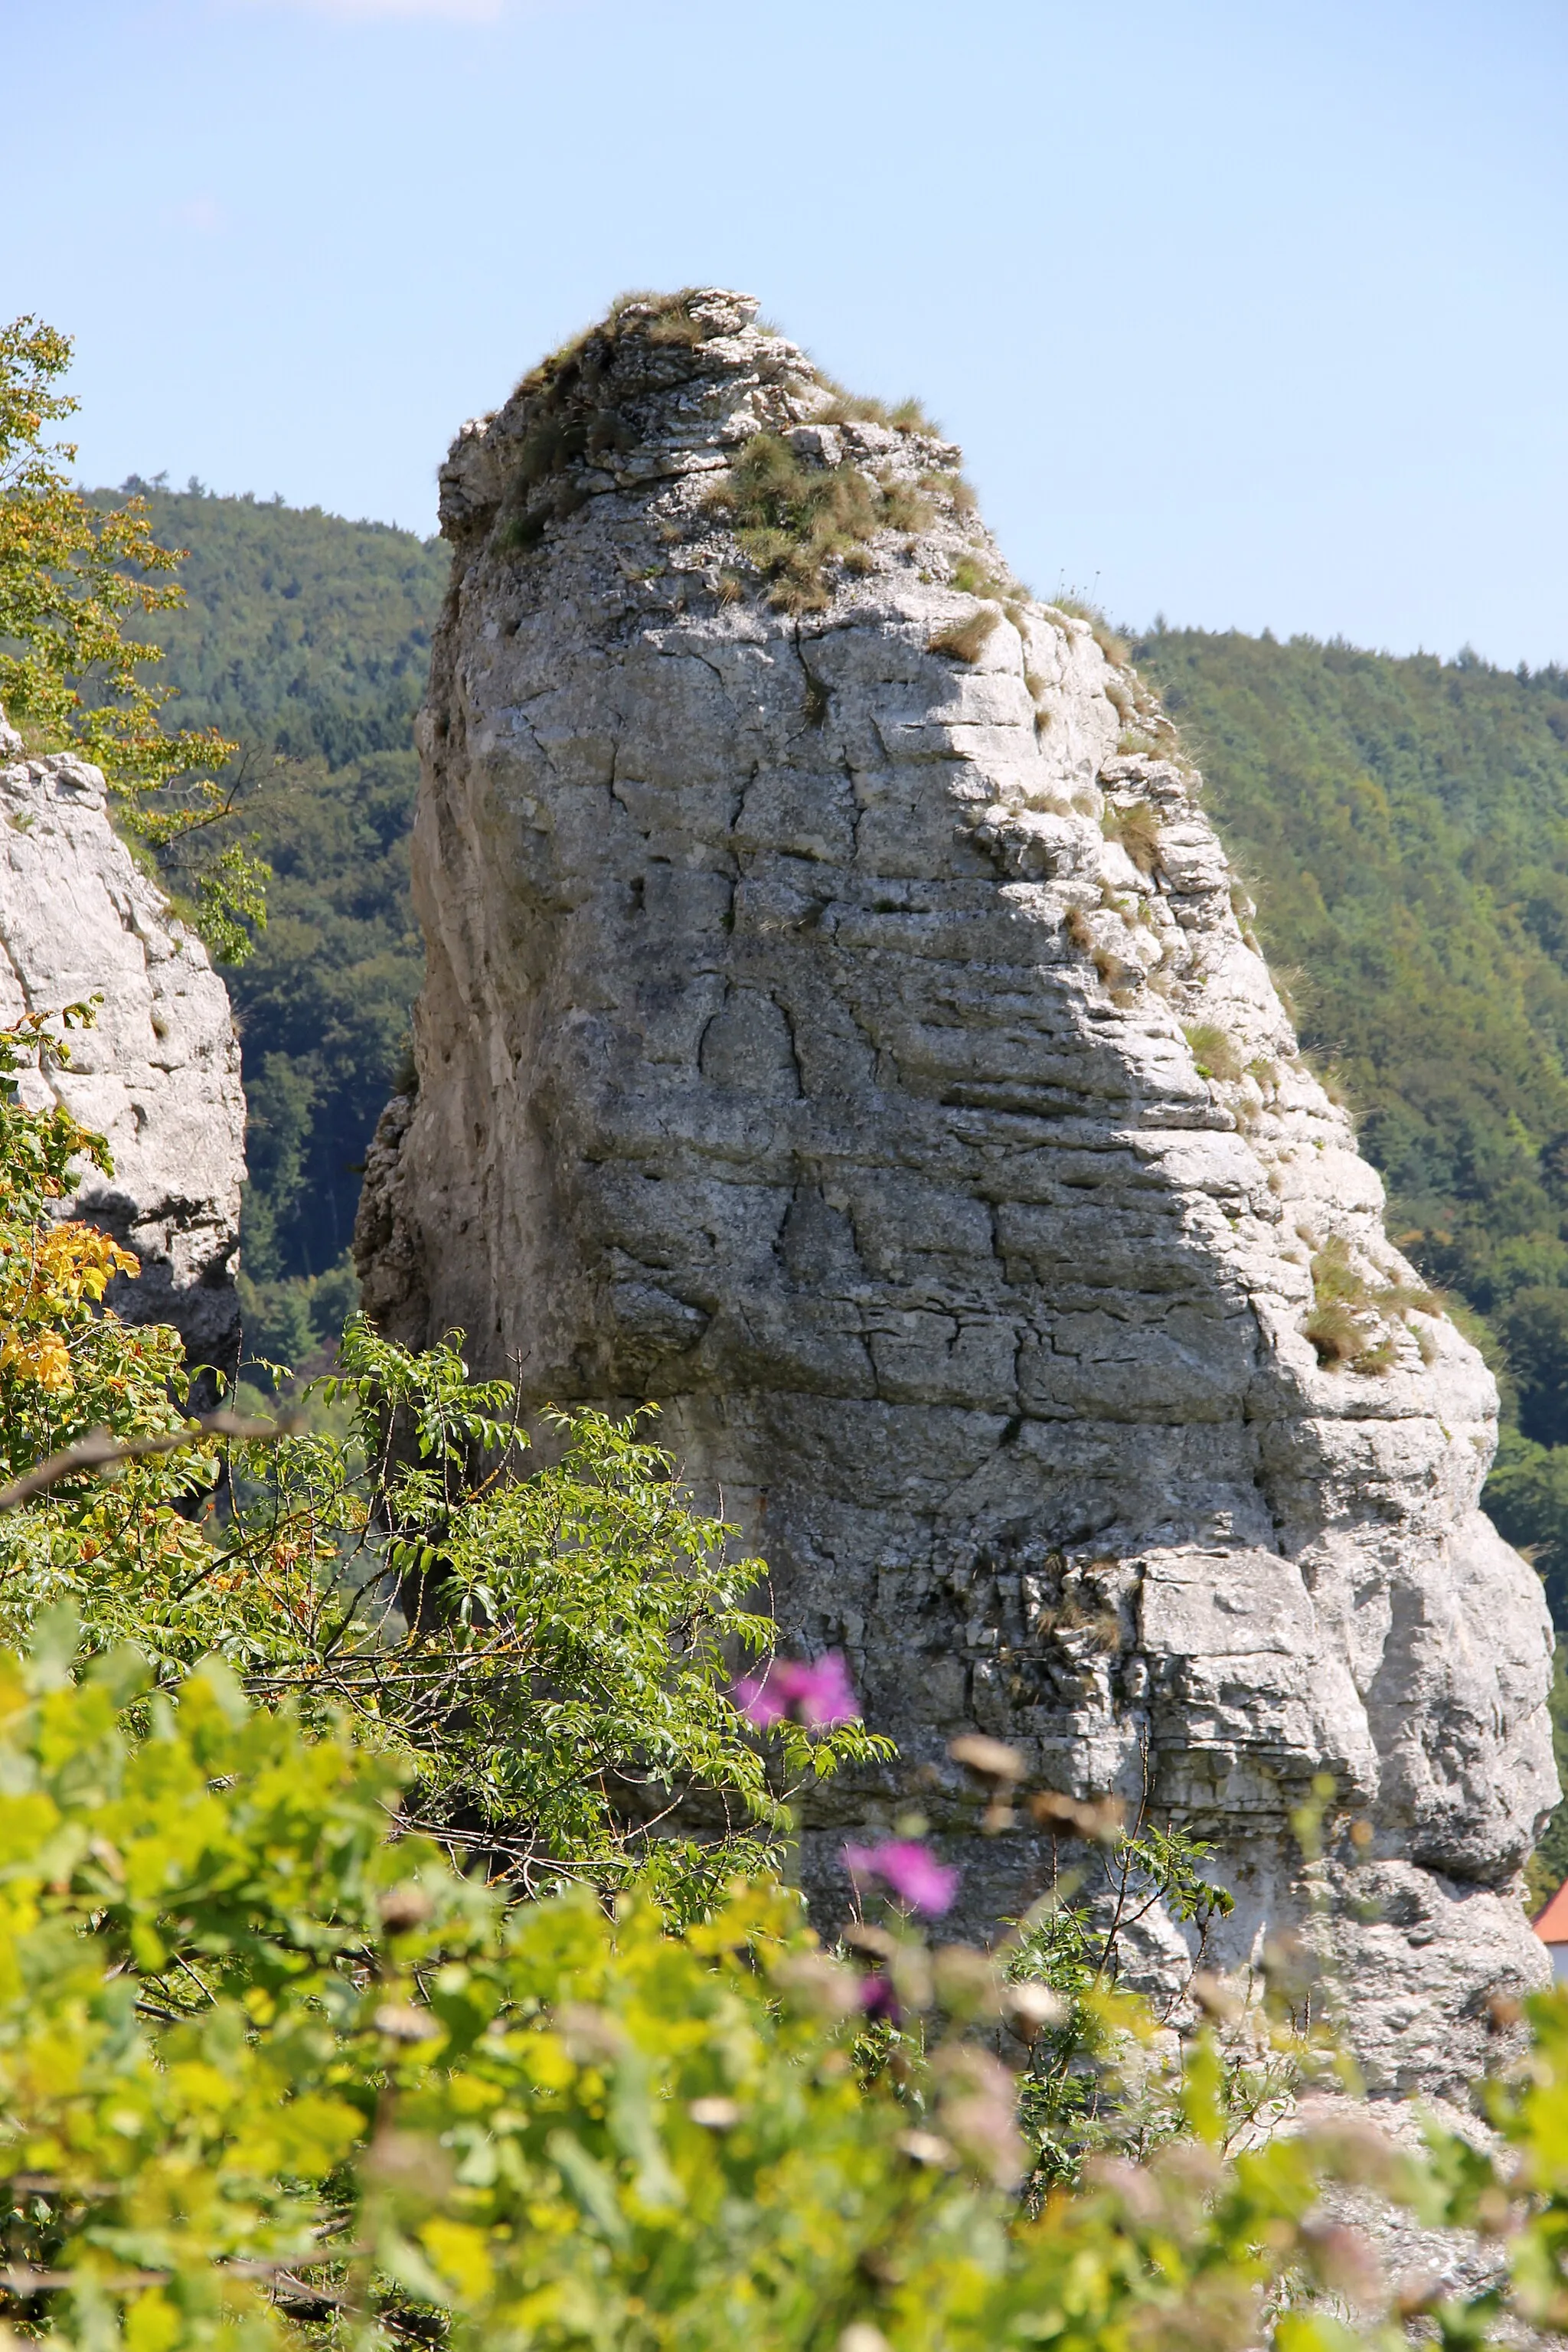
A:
(795, 521)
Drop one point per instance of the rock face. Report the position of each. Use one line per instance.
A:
(842, 1027)
(159, 1073)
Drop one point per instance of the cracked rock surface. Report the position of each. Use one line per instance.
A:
(842, 1027)
(158, 1074)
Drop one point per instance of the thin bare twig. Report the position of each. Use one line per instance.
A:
(100, 1452)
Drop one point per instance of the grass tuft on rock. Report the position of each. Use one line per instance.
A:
(965, 640)
(1215, 1051)
(1335, 1333)
(794, 520)
(570, 423)
(1137, 828)
(1344, 1297)
(659, 318)
(905, 507)
(1111, 643)
(971, 579)
(861, 408)
(1335, 1275)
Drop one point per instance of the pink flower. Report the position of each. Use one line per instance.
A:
(910, 1871)
(819, 1693)
(757, 1696)
(878, 2000)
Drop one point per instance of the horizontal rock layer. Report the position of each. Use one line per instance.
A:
(159, 1073)
(842, 1027)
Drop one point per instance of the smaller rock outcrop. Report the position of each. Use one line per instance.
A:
(158, 1074)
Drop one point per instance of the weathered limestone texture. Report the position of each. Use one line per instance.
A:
(841, 1026)
(158, 1075)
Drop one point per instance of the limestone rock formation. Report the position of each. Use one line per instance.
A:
(842, 1026)
(159, 1073)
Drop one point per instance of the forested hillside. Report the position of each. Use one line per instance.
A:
(1404, 825)
(307, 639)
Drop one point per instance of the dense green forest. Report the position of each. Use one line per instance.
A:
(307, 639)
(1403, 823)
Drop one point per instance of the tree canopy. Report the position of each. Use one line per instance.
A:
(75, 573)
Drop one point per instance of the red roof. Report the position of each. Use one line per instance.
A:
(1552, 1926)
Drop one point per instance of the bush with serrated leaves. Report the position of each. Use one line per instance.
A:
(269, 2071)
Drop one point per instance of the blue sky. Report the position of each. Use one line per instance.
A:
(1253, 315)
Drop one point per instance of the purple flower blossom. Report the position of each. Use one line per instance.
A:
(910, 1871)
(817, 1693)
(879, 1999)
(757, 1696)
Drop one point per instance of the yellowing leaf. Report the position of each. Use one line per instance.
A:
(461, 2254)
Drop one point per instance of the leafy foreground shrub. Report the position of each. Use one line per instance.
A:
(268, 2072)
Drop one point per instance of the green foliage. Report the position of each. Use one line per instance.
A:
(172, 1914)
(550, 1649)
(301, 633)
(308, 638)
(1527, 1495)
(1522, 2193)
(270, 2074)
(1092, 2085)
(549, 1653)
(324, 1004)
(295, 1324)
(69, 1369)
(74, 574)
(1533, 1327)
